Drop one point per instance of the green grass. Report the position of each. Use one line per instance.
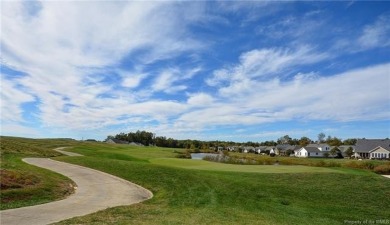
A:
(214, 166)
(199, 192)
(184, 196)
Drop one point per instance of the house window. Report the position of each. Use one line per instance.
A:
(316, 153)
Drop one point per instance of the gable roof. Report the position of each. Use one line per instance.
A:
(379, 147)
(318, 145)
(344, 148)
(366, 145)
(310, 149)
(285, 147)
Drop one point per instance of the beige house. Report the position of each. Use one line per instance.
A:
(372, 148)
(379, 153)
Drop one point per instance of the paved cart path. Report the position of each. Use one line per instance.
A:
(95, 191)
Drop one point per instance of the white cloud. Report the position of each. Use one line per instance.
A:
(167, 80)
(376, 34)
(200, 99)
(264, 63)
(58, 44)
(11, 99)
(361, 94)
(131, 80)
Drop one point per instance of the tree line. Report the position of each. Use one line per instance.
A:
(150, 139)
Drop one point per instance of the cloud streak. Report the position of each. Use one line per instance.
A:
(181, 68)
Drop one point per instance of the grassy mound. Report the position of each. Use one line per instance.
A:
(186, 193)
(23, 184)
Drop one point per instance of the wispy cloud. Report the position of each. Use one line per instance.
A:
(264, 63)
(58, 53)
(376, 34)
(11, 100)
(161, 66)
(305, 98)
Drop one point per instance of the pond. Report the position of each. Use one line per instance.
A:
(199, 156)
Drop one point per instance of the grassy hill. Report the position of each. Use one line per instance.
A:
(198, 192)
(23, 184)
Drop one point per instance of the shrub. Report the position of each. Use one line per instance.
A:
(184, 155)
(352, 164)
(333, 164)
(287, 161)
(368, 165)
(382, 169)
(320, 163)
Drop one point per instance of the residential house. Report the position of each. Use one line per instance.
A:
(116, 141)
(372, 149)
(343, 149)
(306, 152)
(248, 149)
(233, 148)
(282, 149)
(260, 149)
(264, 149)
(322, 147)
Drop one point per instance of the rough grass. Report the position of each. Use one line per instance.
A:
(254, 159)
(23, 184)
(187, 192)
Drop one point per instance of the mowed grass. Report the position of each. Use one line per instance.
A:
(23, 184)
(199, 192)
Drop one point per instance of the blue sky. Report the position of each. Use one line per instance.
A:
(224, 70)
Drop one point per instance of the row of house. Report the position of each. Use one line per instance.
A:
(364, 148)
(117, 141)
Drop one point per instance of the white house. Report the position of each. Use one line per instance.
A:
(248, 149)
(306, 152)
(322, 147)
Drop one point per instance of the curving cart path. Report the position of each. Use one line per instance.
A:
(95, 191)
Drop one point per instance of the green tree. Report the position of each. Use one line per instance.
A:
(349, 152)
(333, 151)
(304, 141)
(334, 141)
(284, 140)
(350, 141)
(321, 137)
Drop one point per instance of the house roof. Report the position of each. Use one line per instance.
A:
(116, 141)
(311, 149)
(285, 147)
(379, 147)
(366, 145)
(318, 145)
(344, 148)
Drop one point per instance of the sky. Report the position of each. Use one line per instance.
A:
(224, 70)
